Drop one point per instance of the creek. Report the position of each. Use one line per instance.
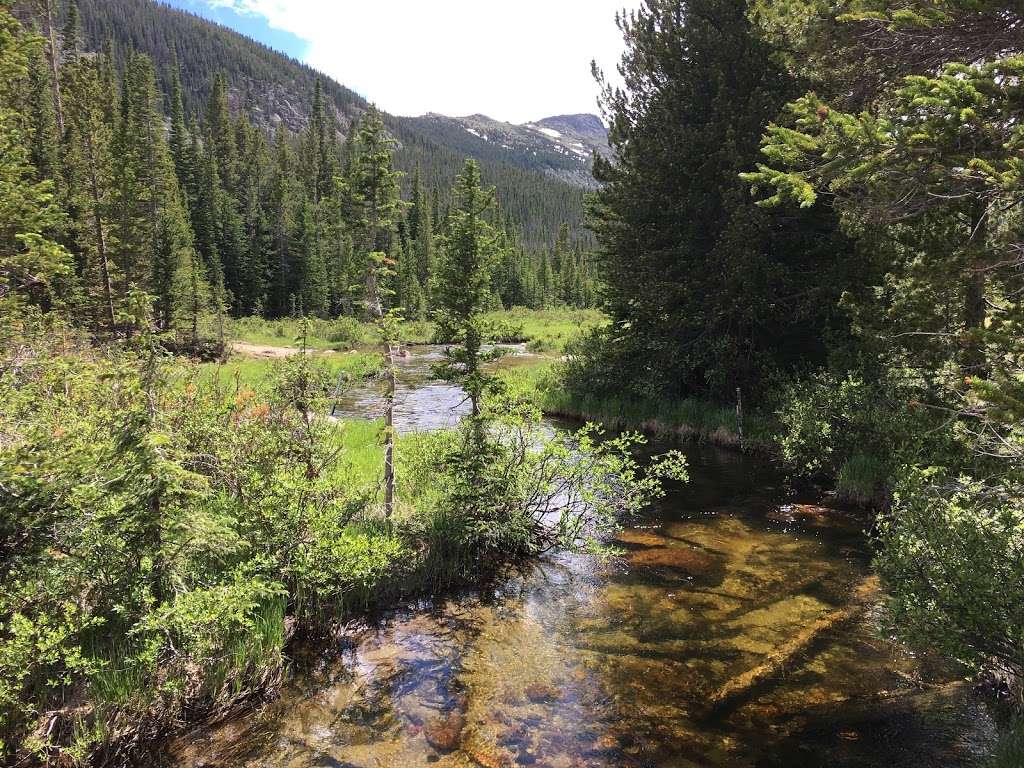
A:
(577, 661)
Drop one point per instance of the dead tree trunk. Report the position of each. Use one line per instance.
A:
(738, 688)
(53, 56)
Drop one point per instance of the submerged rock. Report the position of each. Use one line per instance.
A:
(539, 693)
(444, 733)
(487, 757)
(692, 562)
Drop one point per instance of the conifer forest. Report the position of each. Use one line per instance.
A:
(686, 434)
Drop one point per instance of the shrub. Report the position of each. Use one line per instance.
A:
(952, 557)
(155, 535)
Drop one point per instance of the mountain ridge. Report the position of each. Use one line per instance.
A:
(564, 153)
(537, 192)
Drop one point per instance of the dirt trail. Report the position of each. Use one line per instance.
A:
(263, 350)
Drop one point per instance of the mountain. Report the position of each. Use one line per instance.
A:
(561, 147)
(541, 181)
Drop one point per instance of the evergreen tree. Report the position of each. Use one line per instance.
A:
(42, 136)
(32, 264)
(309, 262)
(421, 231)
(706, 292)
(89, 166)
(375, 206)
(178, 138)
(462, 291)
(281, 206)
(71, 35)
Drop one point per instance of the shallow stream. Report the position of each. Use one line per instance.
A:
(581, 662)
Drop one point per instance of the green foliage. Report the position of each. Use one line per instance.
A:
(825, 422)
(32, 263)
(952, 557)
(705, 291)
(157, 531)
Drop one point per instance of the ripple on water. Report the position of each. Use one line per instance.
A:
(594, 663)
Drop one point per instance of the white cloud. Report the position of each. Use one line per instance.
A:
(515, 61)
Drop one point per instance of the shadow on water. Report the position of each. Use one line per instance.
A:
(583, 662)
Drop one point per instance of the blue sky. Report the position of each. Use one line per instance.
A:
(512, 61)
(249, 24)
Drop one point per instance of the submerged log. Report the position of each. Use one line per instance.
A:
(738, 688)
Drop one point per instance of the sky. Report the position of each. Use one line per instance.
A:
(516, 61)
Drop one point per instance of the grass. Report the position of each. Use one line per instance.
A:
(256, 372)
(545, 331)
(668, 419)
(862, 479)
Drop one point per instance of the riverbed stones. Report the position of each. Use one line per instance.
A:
(444, 733)
(541, 693)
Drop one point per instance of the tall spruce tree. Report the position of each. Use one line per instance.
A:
(89, 166)
(706, 292)
(463, 290)
(375, 207)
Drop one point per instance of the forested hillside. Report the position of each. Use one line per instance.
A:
(271, 88)
(208, 212)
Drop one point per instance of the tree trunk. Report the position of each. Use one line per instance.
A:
(377, 308)
(974, 294)
(53, 55)
(101, 242)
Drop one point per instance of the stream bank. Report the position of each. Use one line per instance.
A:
(582, 661)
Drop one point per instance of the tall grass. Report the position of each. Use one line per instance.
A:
(544, 330)
(666, 419)
(862, 479)
(257, 372)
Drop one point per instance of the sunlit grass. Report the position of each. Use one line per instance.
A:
(670, 419)
(257, 372)
(547, 331)
(543, 330)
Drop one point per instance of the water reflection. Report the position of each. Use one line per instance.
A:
(583, 662)
(421, 402)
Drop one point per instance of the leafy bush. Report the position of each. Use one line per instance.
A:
(155, 535)
(952, 556)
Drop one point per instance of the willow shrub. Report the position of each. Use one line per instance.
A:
(952, 556)
(154, 534)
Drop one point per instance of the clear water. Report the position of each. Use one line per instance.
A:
(582, 662)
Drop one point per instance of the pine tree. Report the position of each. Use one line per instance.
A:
(32, 263)
(41, 125)
(70, 36)
(220, 129)
(421, 231)
(89, 165)
(374, 199)
(309, 261)
(178, 138)
(463, 293)
(281, 205)
(681, 240)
